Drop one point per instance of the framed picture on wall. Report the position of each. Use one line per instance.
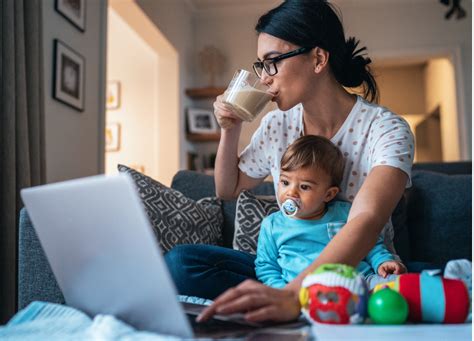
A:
(201, 121)
(74, 11)
(113, 95)
(112, 137)
(69, 70)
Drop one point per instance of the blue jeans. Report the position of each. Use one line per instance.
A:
(206, 270)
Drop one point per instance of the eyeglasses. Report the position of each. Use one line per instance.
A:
(269, 64)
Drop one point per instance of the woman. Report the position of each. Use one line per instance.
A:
(307, 63)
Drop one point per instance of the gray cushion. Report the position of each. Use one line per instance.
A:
(196, 185)
(177, 219)
(439, 217)
(36, 281)
(250, 211)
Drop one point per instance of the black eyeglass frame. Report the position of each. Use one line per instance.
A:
(261, 64)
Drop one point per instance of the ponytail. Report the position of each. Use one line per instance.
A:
(352, 69)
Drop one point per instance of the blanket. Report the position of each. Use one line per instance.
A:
(50, 321)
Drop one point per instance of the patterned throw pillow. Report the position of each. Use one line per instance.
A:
(249, 213)
(175, 218)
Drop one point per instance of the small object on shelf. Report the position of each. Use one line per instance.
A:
(202, 121)
(387, 306)
(212, 62)
(202, 93)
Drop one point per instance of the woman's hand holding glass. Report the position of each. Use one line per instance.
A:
(225, 114)
(257, 301)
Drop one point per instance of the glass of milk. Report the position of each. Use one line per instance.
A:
(247, 95)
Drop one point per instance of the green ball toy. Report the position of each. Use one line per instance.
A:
(387, 306)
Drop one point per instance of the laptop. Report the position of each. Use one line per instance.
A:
(103, 253)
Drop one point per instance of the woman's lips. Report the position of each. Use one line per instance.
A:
(274, 95)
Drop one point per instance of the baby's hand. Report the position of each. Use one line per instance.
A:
(391, 267)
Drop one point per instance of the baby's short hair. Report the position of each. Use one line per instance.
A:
(314, 151)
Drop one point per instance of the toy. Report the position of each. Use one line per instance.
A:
(290, 207)
(334, 294)
(387, 306)
(432, 298)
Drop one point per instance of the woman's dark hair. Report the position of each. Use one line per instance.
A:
(311, 23)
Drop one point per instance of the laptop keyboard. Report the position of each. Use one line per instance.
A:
(217, 328)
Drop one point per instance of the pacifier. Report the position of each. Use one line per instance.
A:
(290, 207)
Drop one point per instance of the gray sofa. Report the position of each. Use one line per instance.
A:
(432, 224)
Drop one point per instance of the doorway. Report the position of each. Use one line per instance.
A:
(142, 120)
(423, 91)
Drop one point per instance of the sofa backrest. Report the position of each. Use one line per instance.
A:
(196, 185)
(420, 233)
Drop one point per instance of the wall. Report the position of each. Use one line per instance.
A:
(134, 63)
(174, 19)
(167, 120)
(74, 141)
(402, 88)
(414, 30)
(231, 30)
(391, 29)
(417, 29)
(440, 91)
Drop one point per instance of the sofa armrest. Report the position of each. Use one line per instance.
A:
(36, 281)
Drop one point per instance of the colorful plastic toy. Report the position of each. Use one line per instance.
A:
(334, 294)
(432, 298)
(387, 306)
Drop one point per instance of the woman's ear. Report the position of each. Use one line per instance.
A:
(321, 59)
(331, 193)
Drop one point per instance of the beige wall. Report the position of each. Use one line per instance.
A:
(440, 91)
(232, 31)
(73, 139)
(134, 63)
(174, 19)
(402, 88)
(391, 29)
(165, 122)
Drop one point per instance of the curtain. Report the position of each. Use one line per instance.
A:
(21, 130)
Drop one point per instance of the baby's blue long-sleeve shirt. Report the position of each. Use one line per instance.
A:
(287, 246)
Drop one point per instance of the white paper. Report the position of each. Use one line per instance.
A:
(406, 332)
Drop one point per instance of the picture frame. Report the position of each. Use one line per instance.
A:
(113, 95)
(69, 70)
(112, 137)
(74, 11)
(201, 121)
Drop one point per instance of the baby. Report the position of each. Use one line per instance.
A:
(292, 238)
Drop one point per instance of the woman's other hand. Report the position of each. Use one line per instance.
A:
(257, 302)
(225, 114)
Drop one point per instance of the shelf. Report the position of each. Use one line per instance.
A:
(209, 92)
(203, 137)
